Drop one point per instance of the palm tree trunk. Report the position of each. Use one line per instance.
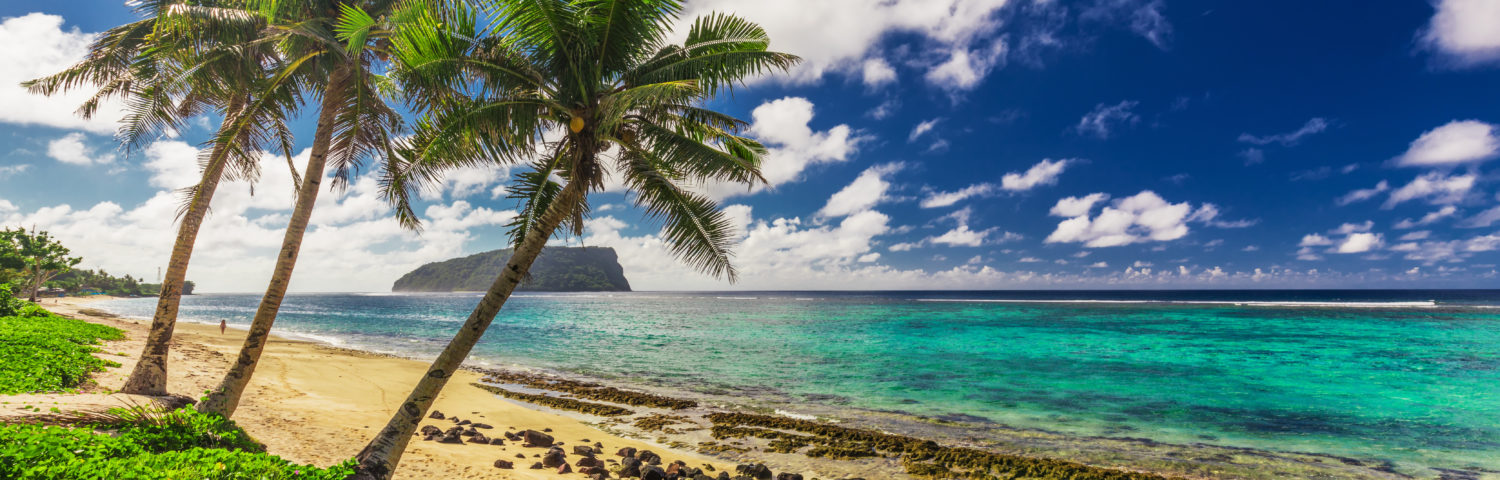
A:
(226, 398)
(150, 374)
(378, 460)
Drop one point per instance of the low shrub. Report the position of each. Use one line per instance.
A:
(139, 445)
(40, 351)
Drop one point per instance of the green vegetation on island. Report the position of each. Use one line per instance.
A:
(558, 269)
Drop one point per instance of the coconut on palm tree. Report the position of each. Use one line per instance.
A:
(601, 75)
(167, 71)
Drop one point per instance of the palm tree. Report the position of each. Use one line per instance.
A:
(168, 74)
(334, 47)
(600, 74)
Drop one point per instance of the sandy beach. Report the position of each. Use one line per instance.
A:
(310, 403)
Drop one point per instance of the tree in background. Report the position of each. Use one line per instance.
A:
(601, 75)
(40, 256)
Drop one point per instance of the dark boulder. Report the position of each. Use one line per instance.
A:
(652, 472)
(649, 457)
(756, 471)
(497, 441)
(455, 431)
(469, 432)
(788, 476)
(553, 458)
(588, 462)
(513, 436)
(482, 425)
(537, 466)
(431, 430)
(626, 452)
(479, 438)
(564, 468)
(537, 439)
(452, 438)
(505, 464)
(593, 471)
(584, 450)
(436, 415)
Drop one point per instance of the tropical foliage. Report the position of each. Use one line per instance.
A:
(102, 282)
(144, 444)
(38, 256)
(44, 352)
(577, 91)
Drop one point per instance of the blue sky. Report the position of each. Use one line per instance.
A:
(925, 144)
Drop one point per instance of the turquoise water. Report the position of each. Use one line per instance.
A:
(1383, 375)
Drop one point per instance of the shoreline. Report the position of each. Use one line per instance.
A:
(1142, 455)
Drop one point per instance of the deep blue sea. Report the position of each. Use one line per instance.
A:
(1412, 377)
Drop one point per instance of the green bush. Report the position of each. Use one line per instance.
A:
(180, 444)
(9, 304)
(44, 352)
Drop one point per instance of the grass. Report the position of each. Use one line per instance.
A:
(143, 444)
(40, 351)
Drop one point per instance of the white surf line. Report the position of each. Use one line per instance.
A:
(1246, 303)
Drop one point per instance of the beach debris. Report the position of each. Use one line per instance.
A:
(479, 438)
(505, 464)
(536, 439)
(435, 415)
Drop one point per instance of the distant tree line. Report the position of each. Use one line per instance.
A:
(33, 263)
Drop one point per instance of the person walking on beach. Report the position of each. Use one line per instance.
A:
(222, 324)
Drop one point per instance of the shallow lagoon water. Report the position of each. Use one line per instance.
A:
(1410, 377)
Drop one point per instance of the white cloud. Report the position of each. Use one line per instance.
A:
(866, 191)
(6, 171)
(1314, 240)
(945, 199)
(878, 72)
(1458, 142)
(837, 36)
(70, 149)
(1144, 217)
(1363, 194)
(1312, 127)
(1435, 187)
(783, 125)
(1077, 206)
(1044, 173)
(1349, 228)
(39, 47)
(1102, 121)
(1417, 235)
(921, 129)
(1253, 156)
(965, 68)
(1482, 219)
(1144, 17)
(1428, 219)
(1361, 242)
(351, 244)
(1465, 32)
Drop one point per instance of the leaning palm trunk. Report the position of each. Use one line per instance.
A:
(379, 459)
(225, 399)
(150, 374)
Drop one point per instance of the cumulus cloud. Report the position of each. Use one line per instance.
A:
(1435, 187)
(1104, 119)
(965, 68)
(832, 39)
(1043, 173)
(1455, 143)
(40, 47)
(1464, 33)
(1143, 217)
(1312, 127)
(351, 244)
(71, 149)
(1360, 243)
(784, 126)
(878, 72)
(867, 190)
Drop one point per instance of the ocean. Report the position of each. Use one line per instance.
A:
(1411, 378)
